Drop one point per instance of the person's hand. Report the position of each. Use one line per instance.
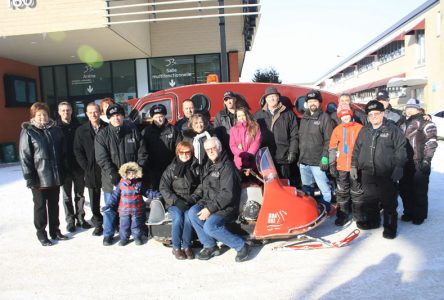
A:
(333, 171)
(203, 214)
(181, 204)
(427, 117)
(324, 164)
(291, 157)
(246, 172)
(115, 178)
(30, 183)
(397, 174)
(424, 167)
(354, 173)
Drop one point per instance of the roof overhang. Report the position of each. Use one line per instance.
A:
(405, 82)
(374, 84)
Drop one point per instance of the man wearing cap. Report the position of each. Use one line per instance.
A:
(315, 131)
(225, 119)
(358, 115)
(390, 113)
(279, 131)
(378, 160)
(114, 145)
(421, 145)
(188, 111)
(157, 149)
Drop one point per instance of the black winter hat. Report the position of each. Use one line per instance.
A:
(158, 109)
(382, 95)
(271, 90)
(229, 94)
(373, 105)
(114, 109)
(313, 94)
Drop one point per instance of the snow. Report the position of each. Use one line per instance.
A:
(409, 267)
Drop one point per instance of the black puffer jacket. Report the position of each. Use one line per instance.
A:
(378, 151)
(176, 190)
(158, 146)
(84, 153)
(314, 132)
(279, 132)
(421, 138)
(42, 155)
(113, 147)
(69, 131)
(219, 191)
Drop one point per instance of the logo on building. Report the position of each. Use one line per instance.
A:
(21, 4)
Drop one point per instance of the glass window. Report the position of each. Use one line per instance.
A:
(124, 80)
(60, 83)
(201, 103)
(47, 79)
(144, 113)
(205, 65)
(331, 107)
(168, 72)
(300, 104)
(420, 48)
(86, 80)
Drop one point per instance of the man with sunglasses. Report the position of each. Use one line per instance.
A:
(378, 160)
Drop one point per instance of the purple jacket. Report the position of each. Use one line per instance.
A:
(243, 146)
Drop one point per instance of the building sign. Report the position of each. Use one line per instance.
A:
(86, 80)
(169, 72)
(21, 4)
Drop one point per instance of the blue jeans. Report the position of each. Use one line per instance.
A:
(312, 174)
(213, 230)
(133, 222)
(109, 218)
(182, 230)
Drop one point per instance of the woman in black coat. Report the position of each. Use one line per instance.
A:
(198, 131)
(177, 184)
(42, 157)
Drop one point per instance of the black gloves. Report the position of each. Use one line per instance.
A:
(354, 173)
(333, 170)
(181, 204)
(291, 157)
(397, 174)
(30, 181)
(324, 164)
(115, 178)
(424, 167)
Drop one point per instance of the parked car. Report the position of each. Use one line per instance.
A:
(438, 119)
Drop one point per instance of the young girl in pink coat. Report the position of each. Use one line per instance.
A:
(245, 139)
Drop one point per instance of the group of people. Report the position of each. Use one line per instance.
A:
(196, 168)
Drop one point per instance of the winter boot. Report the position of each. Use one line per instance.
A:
(341, 218)
(390, 225)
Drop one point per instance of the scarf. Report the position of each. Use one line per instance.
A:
(42, 126)
(196, 145)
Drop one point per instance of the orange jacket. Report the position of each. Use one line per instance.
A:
(343, 140)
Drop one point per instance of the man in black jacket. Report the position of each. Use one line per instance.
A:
(225, 119)
(279, 131)
(218, 198)
(315, 131)
(84, 153)
(74, 177)
(358, 116)
(378, 160)
(390, 113)
(158, 146)
(114, 145)
(188, 111)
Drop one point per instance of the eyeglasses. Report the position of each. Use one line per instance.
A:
(374, 114)
(185, 152)
(211, 149)
(226, 99)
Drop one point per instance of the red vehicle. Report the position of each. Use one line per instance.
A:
(208, 98)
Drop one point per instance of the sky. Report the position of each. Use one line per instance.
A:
(304, 39)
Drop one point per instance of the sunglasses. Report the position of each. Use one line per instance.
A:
(185, 152)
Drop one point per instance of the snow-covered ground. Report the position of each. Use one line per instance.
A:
(409, 267)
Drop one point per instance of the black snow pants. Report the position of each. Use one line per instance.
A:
(413, 189)
(347, 192)
(46, 208)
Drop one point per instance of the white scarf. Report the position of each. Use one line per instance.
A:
(196, 145)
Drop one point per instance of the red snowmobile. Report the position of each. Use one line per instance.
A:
(273, 211)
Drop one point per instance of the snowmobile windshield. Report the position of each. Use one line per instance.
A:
(265, 165)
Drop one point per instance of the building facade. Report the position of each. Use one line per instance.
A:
(84, 50)
(407, 60)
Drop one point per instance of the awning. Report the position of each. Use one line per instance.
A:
(408, 81)
(373, 84)
(419, 26)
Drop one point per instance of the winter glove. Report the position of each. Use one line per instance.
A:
(115, 178)
(30, 183)
(291, 157)
(324, 164)
(354, 173)
(397, 174)
(424, 167)
(180, 204)
(333, 171)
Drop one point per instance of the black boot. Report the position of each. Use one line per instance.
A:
(43, 239)
(390, 225)
(341, 218)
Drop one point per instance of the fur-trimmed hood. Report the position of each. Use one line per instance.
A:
(130, 166)
(30, 124)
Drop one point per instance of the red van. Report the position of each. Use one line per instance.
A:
(208, 98)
